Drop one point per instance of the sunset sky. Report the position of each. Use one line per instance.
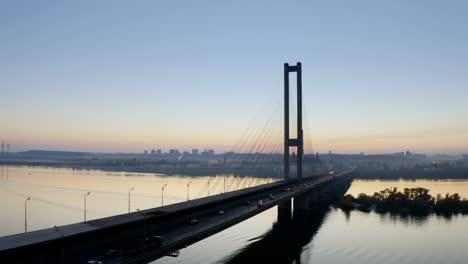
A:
(106, 76)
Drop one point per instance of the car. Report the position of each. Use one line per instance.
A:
(113, 252)
(94, 262)
(220, 212)
(259, 203)
(155, 241)
(174, 254)
(287, 189)
(271, 196)
(193, 221)
(247, 202)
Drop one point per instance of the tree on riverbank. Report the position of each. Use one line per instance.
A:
(416, 201)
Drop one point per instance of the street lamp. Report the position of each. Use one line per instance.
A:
(188, 186)
(224, 183)
(26, 214)
(131, 189)
(209, 187)
(84, 198)
(162, 194)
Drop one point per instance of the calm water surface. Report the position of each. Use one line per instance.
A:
(57, 194)
(331, 236)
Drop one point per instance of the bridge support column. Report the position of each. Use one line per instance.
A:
(284, 211)
(308, 202)
(302, 202)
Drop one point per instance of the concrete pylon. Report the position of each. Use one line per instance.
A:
(299, 141)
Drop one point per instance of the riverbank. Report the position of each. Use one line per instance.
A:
(146, 168)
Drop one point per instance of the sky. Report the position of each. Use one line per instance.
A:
(124, 76)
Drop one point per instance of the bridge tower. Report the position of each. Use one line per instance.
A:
(299, 141)
(284, 208)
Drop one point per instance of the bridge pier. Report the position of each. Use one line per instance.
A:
(284, 211)
(301, 202)
(321, 197)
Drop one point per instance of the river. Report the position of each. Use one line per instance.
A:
(329, 236)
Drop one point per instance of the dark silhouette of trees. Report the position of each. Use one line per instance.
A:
(416, 201)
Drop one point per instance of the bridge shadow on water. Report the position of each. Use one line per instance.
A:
(284, 242)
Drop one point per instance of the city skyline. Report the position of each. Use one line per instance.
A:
(116, 77)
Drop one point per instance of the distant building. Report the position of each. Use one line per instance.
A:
(229, 153)
(153, 152)
(174, 152)
(195, 151)
(145, 152)
(465, 157)
(208, 152)
(158, 152)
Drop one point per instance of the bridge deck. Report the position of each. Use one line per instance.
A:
(39, 236)
(170, 222)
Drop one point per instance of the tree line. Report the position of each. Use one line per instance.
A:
(415, 201)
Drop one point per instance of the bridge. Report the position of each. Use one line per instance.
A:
(146, 235)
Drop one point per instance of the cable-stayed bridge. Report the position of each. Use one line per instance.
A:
(146, 235)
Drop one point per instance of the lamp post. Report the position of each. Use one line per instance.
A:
(162, 194)
(188, 186)
(26, 213)
(224, 183)
(131, 189)
(84, 198)
(209, 187)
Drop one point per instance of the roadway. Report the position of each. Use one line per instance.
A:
(121, 234)
(179, 234)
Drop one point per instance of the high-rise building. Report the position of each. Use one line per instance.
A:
(208, 152)
(145, 152)
(153, 152)
(158, 152)
(174, 151)
(195, 151)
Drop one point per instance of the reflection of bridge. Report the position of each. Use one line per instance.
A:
(284, 242)
(146, 235)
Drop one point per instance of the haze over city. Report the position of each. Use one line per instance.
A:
(379, 77)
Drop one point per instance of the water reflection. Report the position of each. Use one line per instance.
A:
(403, 217)
(284, 242)
(57, 193)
